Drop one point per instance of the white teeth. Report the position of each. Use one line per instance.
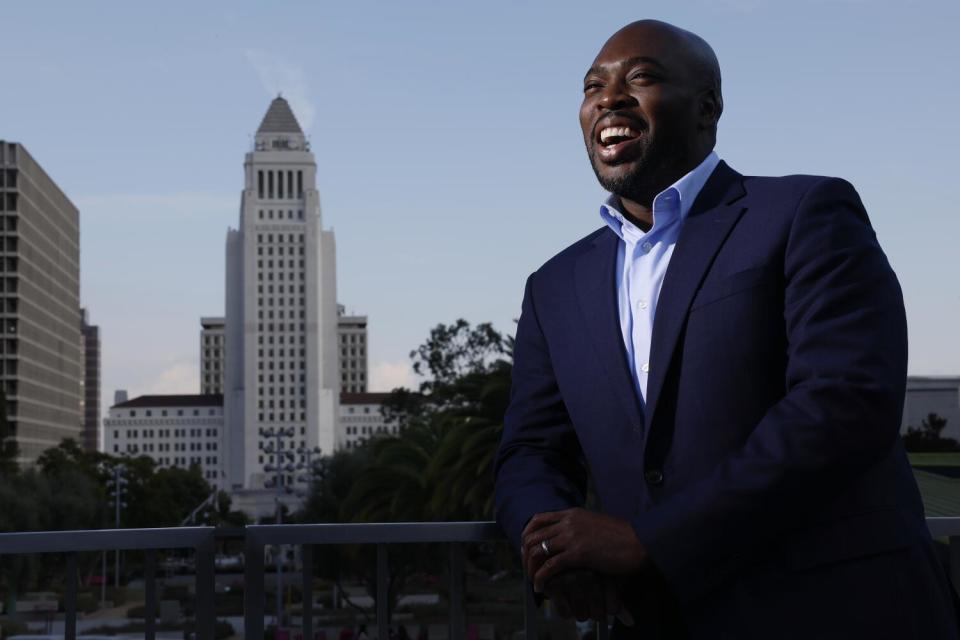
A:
(616, 132)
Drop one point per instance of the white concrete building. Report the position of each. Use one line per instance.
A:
(175, 431)
(352, 338)
(361, 417)
(281, 312)
(212, 360)
(933, 394)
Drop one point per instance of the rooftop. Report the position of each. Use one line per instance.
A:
(279, 118)
(209, 400)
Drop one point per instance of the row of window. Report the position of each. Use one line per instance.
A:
(150, 447)
(267, 180)
(290, 238)
(278, 302)
(280, 316)
(163, 412)
(303, 365)
(165, 433)
(282, 214)
(209, 340)
(282, 416)
(353, 431)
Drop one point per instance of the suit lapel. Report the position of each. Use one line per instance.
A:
(596, 286)
(712, 217)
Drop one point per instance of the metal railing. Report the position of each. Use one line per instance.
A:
(203, 541)
(70, 543)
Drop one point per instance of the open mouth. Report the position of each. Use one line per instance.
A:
(615, 140)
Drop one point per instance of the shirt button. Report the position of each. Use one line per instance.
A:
(653, 476)
(645, 367)
(642, 304)
(646, 246)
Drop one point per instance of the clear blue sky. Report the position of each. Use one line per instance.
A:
(449, 155)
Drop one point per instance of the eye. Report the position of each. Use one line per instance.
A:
(590, 85)
(643, 76)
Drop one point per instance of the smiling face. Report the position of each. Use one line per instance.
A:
(649, 109)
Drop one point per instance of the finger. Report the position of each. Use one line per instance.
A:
(536, 525)
(551, 567)
(541, 520)
(532, 542)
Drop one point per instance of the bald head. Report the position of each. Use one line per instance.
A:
(695, 53)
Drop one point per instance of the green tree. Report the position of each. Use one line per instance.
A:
(929, 436)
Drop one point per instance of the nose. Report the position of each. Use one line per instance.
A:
(614, 96)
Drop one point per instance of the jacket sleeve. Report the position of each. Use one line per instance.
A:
(845, 379)
(539, 465)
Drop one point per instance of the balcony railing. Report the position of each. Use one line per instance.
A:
(256, 538)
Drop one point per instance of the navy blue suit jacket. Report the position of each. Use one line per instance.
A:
(765, 475)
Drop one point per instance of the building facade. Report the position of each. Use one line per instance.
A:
(352, 345)
(212, 355)
(91, 383)
(361, 418)
(40, 339)
(173, 430)
(281, 315)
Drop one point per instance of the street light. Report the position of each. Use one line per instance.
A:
(117, 484)
(276, 449)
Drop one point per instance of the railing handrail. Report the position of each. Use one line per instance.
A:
(376, 533)
(101, 539)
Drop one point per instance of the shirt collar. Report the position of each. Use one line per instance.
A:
(672, 203)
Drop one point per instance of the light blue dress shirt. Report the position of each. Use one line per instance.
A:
(642, 260)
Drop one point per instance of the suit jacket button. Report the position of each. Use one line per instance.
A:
(653, 476)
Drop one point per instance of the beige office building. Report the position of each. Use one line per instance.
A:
(352, 341)
(40, 339)
(212, 355)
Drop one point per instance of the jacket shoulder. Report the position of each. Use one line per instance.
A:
(789, 188)
(564, 260)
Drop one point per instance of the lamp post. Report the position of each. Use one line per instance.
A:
(117, 486)
(276, 449)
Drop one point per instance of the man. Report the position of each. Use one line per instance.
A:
(725, 360)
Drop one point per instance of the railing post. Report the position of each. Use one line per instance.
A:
(953, 550)
(306, 556)
(383, 579)
(458, 624)
(150, 594)
(603, 630)
(206, 617)
(70, 599)
(253, 588)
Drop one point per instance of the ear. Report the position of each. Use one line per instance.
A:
(710, 107)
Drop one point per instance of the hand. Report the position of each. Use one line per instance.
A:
(579, 539)
(584, 595)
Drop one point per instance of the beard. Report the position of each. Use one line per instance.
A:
(642, 176)
(627, 182)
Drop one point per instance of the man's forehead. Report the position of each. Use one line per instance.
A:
(639, 43)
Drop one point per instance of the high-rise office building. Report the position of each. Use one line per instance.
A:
(212, 356)
(40, 340)
(281, 314)
(91, 383)
(352, 341)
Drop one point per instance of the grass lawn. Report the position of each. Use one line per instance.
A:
(934, 459)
